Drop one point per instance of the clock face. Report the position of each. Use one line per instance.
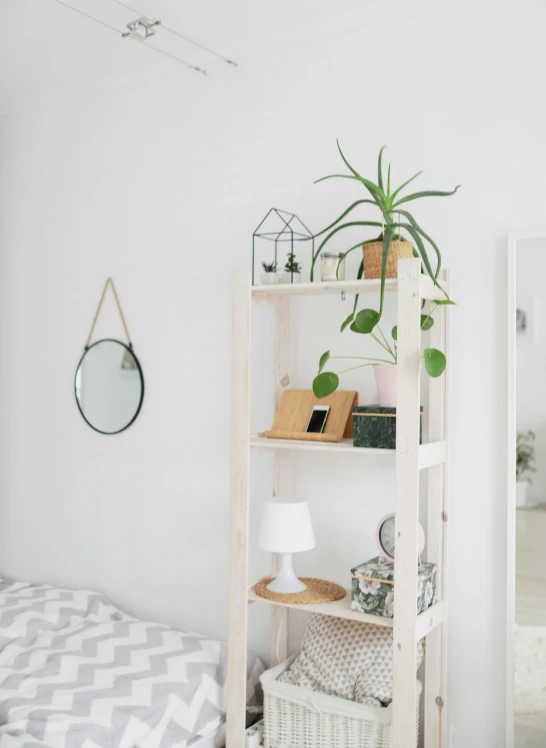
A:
(386, 536)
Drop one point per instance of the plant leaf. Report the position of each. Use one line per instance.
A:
(323, 360)
(347, 322)
(435, 362)
(365, 321)
(376, 191)
(331, 226)
(426, 322)
(387, 237)
(415, 225)
(336, 176)
(442, 302)
(324, 384)
(333, 232)
(427, 193)
(394, 332)
(422, 251)
(389, 181)
(397, 191)
(380, 169)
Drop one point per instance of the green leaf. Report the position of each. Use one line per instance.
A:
(347, 322)
(376, 191)
(323, 359)
(426, 322)
(324, 384)
(365, 321)
(352, 207)
(389, 181)
(394, 332)
(442, 302)
(380, 169)
(387, 238)
(427, 193)
(435, 362)
(336, 176)
(422, 251)
(415, 225)
(397, 191)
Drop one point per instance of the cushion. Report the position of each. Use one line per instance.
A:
(345, 658)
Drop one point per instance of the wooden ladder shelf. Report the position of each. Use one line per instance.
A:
(410, 459)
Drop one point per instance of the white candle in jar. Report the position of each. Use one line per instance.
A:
(329, 262)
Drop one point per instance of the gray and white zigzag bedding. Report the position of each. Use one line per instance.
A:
(76, 672)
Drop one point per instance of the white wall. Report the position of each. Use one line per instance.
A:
(531, 355)
(452, 89)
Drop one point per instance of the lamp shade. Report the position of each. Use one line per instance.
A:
(286, 527)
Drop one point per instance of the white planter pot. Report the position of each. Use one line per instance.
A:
(289, 278)
(522, 487)
(385, 378)
(269, 279)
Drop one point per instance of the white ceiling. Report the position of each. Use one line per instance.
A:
(45, 44)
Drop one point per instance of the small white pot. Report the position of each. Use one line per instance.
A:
(385, 379)
(522, 487)
(269, 279)
(289, 278)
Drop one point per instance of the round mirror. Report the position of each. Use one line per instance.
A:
(109, 386)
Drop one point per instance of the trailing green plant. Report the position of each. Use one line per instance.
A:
(292, 265)
(269, 267)
(525, 455)
(395, 223)
(327, 382)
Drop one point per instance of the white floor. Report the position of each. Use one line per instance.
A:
(530, 730)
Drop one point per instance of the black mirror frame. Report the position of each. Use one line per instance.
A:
(131, 351)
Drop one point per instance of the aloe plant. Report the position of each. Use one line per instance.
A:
(269, 267)
(395, 223)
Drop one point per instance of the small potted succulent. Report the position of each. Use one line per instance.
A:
(269, 276)
(525, 464)
(292, 270)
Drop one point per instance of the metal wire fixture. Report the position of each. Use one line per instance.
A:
(141, 29)
(285, 227)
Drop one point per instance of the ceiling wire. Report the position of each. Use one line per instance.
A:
(181, 36)
(113, 28)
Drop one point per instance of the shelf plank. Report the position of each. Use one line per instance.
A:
(429, 454)
(426, 621)
(428, 289)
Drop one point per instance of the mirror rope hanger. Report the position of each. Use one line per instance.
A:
(109, 282)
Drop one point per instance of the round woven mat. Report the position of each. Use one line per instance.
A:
(318, 591)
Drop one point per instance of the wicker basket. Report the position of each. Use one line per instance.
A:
(373, 254)
(297, 718)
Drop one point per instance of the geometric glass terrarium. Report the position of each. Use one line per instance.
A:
(278, 226)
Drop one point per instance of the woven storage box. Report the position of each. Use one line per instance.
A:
(372, 587)
(373, 258)
(375, 427)
(297, 718)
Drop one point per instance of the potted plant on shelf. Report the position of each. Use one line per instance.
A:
(525, 464)
(292, 269)
(381, 253)
(269, 276)
(327, 382)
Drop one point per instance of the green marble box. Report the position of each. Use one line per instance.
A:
(372, 587)
(375, 427)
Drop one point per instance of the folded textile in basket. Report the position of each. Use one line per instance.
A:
(348, 659)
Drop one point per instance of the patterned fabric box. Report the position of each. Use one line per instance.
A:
(375, 427)
(372, 588)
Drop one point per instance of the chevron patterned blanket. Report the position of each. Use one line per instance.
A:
(76, 672)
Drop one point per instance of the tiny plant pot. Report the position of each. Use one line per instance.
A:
(268, 279)
(386, 381)
(373, 258)
(289, 277)
(522, 488)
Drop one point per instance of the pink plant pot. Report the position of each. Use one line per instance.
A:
(385, 378)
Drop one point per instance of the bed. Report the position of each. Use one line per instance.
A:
(76, 672)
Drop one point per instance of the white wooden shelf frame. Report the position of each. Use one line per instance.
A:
(409, 457)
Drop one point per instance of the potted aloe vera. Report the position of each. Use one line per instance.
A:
(380, 260)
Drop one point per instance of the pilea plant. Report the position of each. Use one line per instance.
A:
(327, 382)
(395, 223)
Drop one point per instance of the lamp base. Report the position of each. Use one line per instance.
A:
(286, 582)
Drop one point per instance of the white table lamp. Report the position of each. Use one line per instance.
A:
(286, 529)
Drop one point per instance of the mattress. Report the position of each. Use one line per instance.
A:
(77, 672)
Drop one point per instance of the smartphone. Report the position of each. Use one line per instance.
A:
(318, 419)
